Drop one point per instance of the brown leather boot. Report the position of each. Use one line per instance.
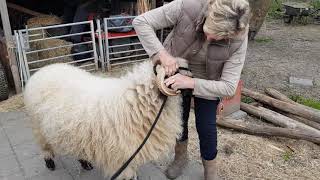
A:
(210, 169)
(180, 161)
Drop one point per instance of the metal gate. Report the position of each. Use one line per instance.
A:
(121, 43)
(40, 46)
(105, 46)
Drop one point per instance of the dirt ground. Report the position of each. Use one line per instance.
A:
(289, 51)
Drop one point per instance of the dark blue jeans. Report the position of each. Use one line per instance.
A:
(205, 112)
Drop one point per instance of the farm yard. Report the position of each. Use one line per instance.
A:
(279, 140)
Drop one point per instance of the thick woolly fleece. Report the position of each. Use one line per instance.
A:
(101, 120)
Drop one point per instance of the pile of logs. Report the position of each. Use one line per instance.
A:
(293, 120)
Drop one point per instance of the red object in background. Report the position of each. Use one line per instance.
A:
(117, 34)
(91, 16)
(229, 105)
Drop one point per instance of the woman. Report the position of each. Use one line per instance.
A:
(212, 37)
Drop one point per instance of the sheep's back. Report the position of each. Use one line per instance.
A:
(67, 102)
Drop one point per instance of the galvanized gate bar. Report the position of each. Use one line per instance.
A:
(25, 37)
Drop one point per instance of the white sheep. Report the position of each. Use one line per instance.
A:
(100, 120)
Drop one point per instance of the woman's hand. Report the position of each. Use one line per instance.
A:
(180, 81)
(168, 62)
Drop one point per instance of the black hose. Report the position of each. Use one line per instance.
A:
(125, 165)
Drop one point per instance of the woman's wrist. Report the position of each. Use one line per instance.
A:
(163, 54)
(192, 83)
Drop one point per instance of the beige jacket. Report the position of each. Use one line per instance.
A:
(169, 15)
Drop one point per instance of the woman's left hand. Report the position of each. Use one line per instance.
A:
(180, 81)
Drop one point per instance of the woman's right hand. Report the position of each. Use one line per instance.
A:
(168, 62)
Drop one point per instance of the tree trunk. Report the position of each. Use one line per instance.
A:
(296, 109)
(278, 119)
(259, 10)
(267, 131)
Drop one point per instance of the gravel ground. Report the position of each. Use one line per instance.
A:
(290, 50)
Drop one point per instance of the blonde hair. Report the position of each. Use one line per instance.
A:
(227, 18)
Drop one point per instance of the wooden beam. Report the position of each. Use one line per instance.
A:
(10, 45)
(24, 10)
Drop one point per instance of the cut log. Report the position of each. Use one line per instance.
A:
(304, 120)
(24, 10)
(278, 119)
(278, 95)
(296, 109)
(267, 131)
(255, 104)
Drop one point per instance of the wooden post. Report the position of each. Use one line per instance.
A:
(9, 41)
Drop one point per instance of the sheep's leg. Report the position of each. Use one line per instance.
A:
(85, 165)
(48, 156)
(129, 174)
(46, 148)
(50, 164)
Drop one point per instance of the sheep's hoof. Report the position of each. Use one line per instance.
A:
(85, 165)
(50, 164)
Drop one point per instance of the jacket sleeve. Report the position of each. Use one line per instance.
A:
(146, 24)
(230, 77)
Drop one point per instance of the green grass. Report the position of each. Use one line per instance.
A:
(246, 99)
(263, 39)
(315, 4)
(275, 11)
(287, 155)
(306, 101)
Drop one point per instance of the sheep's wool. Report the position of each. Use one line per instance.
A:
(102, 120)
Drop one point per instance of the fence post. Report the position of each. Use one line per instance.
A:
(10, 45)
